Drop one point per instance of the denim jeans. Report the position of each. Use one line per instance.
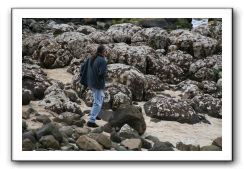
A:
(98, 97)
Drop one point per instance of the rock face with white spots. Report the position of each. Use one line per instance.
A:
(172, 109)
(122, 32)
(193, 43)
(129, 76)
(155, 70)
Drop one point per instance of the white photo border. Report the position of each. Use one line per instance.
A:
(16, 50)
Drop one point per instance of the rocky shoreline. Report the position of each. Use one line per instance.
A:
(170, 77)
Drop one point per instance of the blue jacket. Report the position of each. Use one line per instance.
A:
(94, 73)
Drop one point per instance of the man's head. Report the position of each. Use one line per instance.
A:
(101, 50)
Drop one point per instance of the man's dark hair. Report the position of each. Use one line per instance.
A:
(100, 50)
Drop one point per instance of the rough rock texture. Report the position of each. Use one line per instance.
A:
(130, 55)
(128, 76)
(30, 43)
(193, 43)
(207, 104)
(52, 55)
(172, 109)
(155, 37)
(122, 32)
(34, 82)
(209, 68)
(56, 100)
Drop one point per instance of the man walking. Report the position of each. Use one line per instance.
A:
(96, 72)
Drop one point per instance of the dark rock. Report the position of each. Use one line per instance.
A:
(152, 138)
(218, 142)
(49, 142)
(172, 109)
(67, 130)
(27, 145)
(115, 137)
(30, 135)
(146, 144)
(49, 129)
(187, 147)
(43, 119)
(206, 104)
(162, 146)
(129, 115)
(98, 130)
(26, 97)
(24, 125)
(210, 148)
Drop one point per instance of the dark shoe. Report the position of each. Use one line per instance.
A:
(98, 118)
(90, 124)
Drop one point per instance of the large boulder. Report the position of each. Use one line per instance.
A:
(209, 68)
(52, 55)
(100, 37)
(155, 37)
(128, 115)
(212, 30)
(129, 76)
(193, 43)
(30, 43)
(34, 82)
(130, 55)
(56, 100)
(180, 59)
(122, 32)
(161, 67)
(172, 109)
(207, 104)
